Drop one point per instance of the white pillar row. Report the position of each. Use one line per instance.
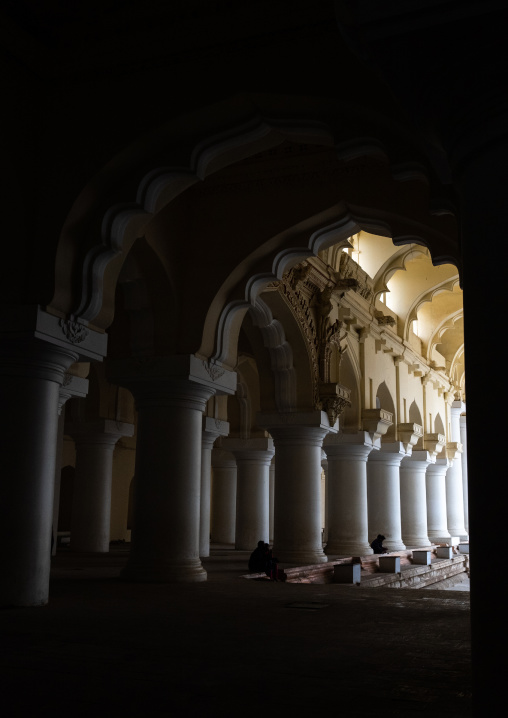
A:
(413, 498)
(383, 494)
(435, 480)
(325, 493)
(347, 484)
(253, 458)
(465, 493)
(91, 507)
(298, 440)
(212, 429)
(271, 499)
(454, 491)
(223, 497)
(31, 373)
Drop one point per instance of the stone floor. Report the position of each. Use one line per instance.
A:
(232, 647)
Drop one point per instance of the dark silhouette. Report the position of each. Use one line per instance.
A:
(377, 544)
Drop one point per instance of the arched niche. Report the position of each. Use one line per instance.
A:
(438, 425)
(384, 401)
(415, 416)
(348, 376)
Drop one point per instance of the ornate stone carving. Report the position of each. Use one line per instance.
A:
(334, 399)
(74, 331)
(352, 276)
(385, 320)
(67, 379)
(215, 372)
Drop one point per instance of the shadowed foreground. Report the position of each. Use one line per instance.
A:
(230, 647)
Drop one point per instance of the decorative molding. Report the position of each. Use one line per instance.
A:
(215, 372)
(74, 331)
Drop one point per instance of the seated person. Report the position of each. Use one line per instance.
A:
(377, 544)
(258, 560)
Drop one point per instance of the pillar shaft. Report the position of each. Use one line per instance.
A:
(347, 501)
(253, 458)
(165, 534)
(465, 493)
(383, 493)
(435, 481)
(413, 498)
(297, 512)
(212, 429)
(91, 510)
(31, 373)
(454, 491)
(223, 497)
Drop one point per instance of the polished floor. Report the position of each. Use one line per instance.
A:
(232, 647)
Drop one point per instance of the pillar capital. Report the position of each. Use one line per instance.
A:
(350, 446)
(72, 386)
(434, 443)
(257, 449)
(212, 429)
(23, 324)
(421, 457)
(390, 453)
(453, 450)
(304, 424)
(177, 370)
(410, 434)
(100, 431)
(376, 422)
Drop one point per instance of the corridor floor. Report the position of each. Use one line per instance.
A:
(232, 647)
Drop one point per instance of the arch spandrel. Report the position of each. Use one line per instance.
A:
(232, 250)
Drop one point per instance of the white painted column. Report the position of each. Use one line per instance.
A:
(435, 480)
(413, 498)
(271, 498)
(31, 373)
(223, 497)
(253, 458)
(465, 492)
(91, 507)
(165, 534)
(212, 429)
(347, 484)
(454, 491)
(383, 494)
(298, 440)
(325, 495)
(73, 386)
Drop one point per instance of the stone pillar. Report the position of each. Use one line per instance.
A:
(413, 498)
(298, 439)
(347, 484)
(212, 429)
(170, 395)
(253, 457)
(73, 386)
(435, 481)
(325, 495)
(465, 490)
(91, 507)
(271, 499)
(31, 373)
(223, 497)
(383, 494)
(454, 491)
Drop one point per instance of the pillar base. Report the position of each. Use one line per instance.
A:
(416, 541)
(300, 558)
(348, 549)
(190, 571)
(393, 545)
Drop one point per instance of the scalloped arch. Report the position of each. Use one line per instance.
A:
(447, 285)
(389, 268)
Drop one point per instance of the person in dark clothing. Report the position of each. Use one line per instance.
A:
(258, 560)
(377, 544)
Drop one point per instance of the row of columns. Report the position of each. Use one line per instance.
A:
(411, 496)
(171, 486)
